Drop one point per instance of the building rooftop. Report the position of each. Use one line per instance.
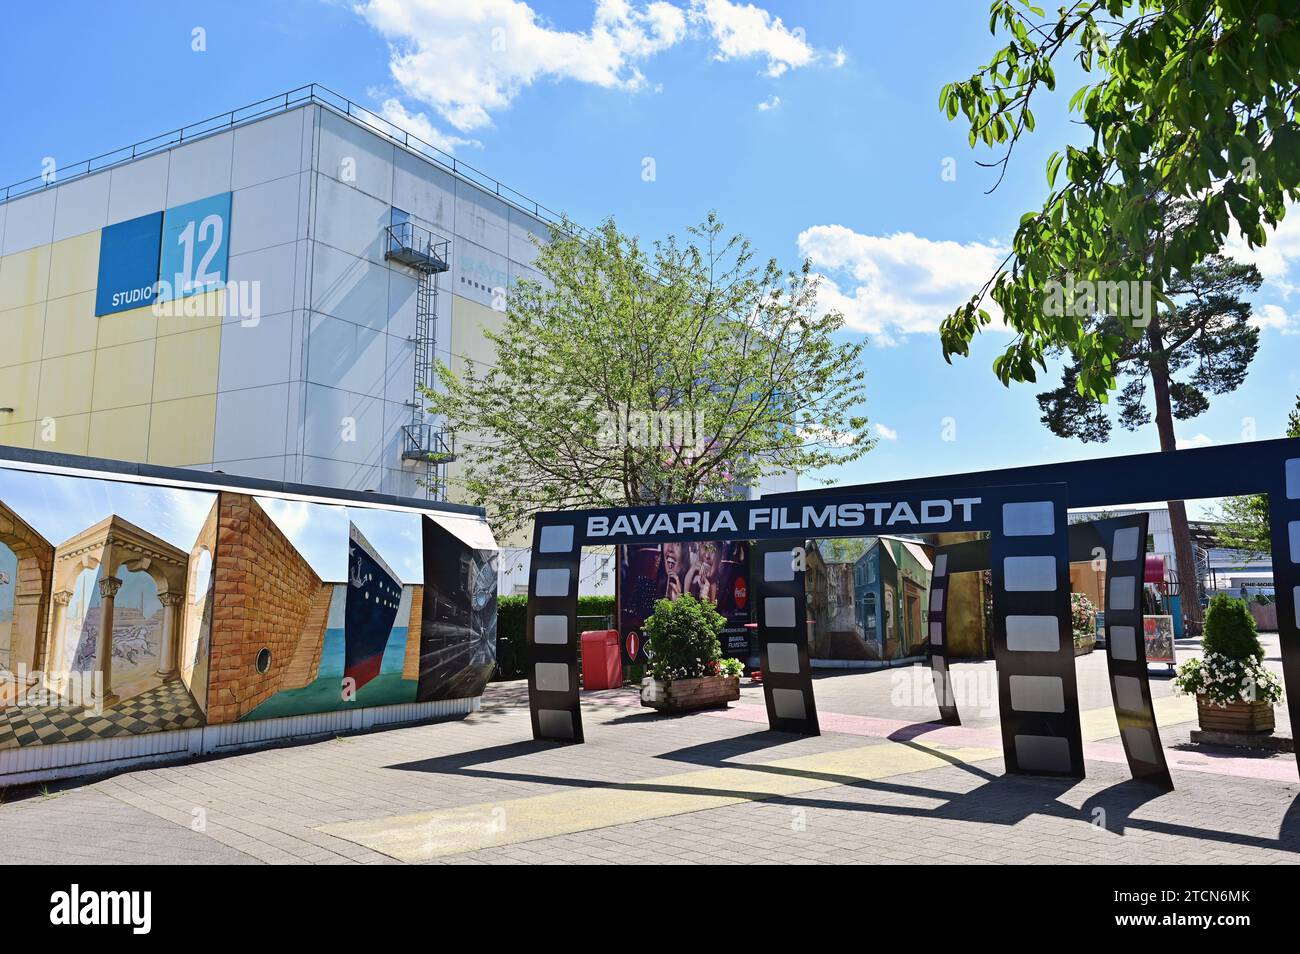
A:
(313, 93)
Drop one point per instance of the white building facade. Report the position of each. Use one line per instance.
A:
(292, 342)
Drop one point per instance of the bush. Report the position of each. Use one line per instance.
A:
(1230, 630)
(682, 638)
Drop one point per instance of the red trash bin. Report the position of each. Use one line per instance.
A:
(602, 663)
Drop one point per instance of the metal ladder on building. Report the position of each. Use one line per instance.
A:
(423, 442)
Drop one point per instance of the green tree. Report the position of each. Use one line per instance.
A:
(1186, 102)
(675, 374)
(1203, 346)
(1245, 519)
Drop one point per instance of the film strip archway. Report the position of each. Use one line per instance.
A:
(1028, 552)
(1040, 710)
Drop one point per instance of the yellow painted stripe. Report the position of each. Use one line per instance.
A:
(1170, 710)
(426, 835)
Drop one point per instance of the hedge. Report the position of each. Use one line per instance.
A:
(512, 625)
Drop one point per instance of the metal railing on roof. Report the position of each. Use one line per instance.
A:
(294, 98)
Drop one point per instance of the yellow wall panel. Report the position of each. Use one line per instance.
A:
(65, 385)
(67, 435)
(20, 334)
(124, 327)
(19, 386)
(70, 325)
(123, 376)
(468, 319)
(74, 265)
(120, 434)
(16, 435)
(191, 314)
(24, 277)
(181, 432)
(186, 364)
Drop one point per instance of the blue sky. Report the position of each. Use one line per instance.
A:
(566, 101)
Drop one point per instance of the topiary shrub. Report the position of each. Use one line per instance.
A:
(682, 639)
(596, 606)
(1230, 629)
(512, 625)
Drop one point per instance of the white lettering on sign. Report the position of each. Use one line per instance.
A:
(801, 519)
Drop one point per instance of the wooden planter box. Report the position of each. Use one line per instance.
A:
(1248, 717)
(1084, 646)
(685, 695)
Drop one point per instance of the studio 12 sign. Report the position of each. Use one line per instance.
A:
(164, 255)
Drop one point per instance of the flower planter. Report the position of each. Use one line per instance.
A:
(1085, 645)
(1248, 717)
(686, 695)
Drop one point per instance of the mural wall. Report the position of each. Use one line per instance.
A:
(165, 608)
(867, 597)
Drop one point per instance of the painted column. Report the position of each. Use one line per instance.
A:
(57, 651)
(167, 646)
(108, 588)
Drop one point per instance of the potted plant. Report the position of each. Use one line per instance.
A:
(687, 670)
(1234, 692)
(1083, 621)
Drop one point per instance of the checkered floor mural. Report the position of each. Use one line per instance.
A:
(168, 706)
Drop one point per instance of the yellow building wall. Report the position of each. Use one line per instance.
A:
(135, 385)
(469, 344)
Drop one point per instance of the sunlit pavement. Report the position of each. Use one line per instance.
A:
(881, 784)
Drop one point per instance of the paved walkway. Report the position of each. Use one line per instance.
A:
(882, 784)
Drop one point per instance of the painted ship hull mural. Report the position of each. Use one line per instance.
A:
(373, 595)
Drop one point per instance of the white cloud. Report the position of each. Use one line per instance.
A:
(744, 31)
(894, 285)
(772, 102)
(417, 124)
(1273, 260)
(1275, 318)
(1200, 440)
(468, 61)
(888, 433)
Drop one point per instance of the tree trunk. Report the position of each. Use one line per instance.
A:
(1184, 555)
